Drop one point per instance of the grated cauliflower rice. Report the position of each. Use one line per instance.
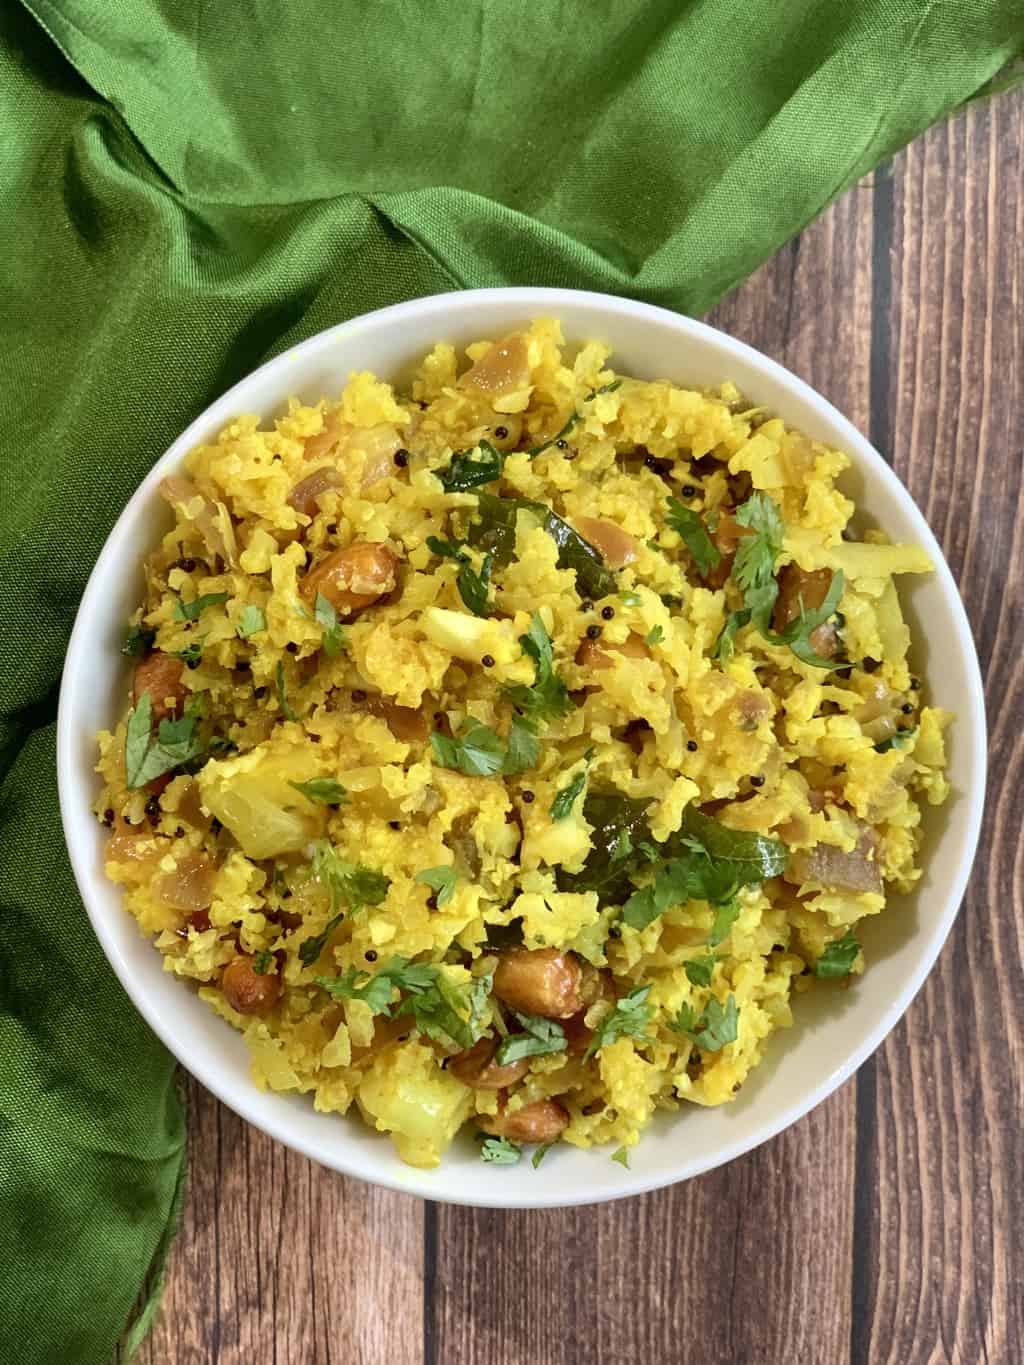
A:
(510, 752)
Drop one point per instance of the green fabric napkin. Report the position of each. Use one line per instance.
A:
(190, 187)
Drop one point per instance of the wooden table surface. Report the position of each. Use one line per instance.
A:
(888, 1225)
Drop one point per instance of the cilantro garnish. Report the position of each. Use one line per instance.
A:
(694, 536)
(630, 599)
(500, 1152)
(622, 1157)
(549, 697)
(282, 696)
(146, 757)
(714, 1028)
(839, 957)
(523, 747)
(191, 655)
(442, 1010)
(540, 1038)
(138, 641)
(725, 918)
(706, 861)
(374, 989)
(442, 880)
(567, 796)
(334, 639)
(323, 791)
(477, 752)
(263, 962)
(439, 1008)
(191, 611)
(251, 621)
(473, 586)
(540, 1154)
(629, 1019)
(654, 636)
(753, 572)
(900, 740)
(700, 970)
(354, 883)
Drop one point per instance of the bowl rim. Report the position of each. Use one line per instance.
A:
(538, 301)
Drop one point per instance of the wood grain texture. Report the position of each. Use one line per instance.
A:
(886, 1228)
(280, 1262)
(944, 1240)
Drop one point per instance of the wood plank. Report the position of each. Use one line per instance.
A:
(280, 1262)
(753, 1262)
(945, 1235)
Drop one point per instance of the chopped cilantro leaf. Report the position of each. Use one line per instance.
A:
(549, 697)
(694, 535)
(190, 611)
(567, 796)
(713, 1029)
(654, 636)
(523, 747)
(755, 559)
(442, 1010)
(263, 962)
(629, 1019)
(334, 639)
(900, 740)
(839, 957)
(282, 696)
(630, 599)
(373, 989)
(251, 621)
(351, 884)
(540, 1154)
(138, 641)
(500, 1152)
(725, 918)
(622, 1157)
(540, 1038)
(146, 757)
(699, 970)
(442, 880)
(190, 655)
(477, 752)
(323, 791)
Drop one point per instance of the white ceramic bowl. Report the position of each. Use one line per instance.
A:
(835, 1029)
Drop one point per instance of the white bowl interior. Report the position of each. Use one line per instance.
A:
(835, 1030)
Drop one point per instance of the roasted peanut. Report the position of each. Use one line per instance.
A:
(246, 990)
(541, 1121)
(616, 545)
(539, 981)
(352, 578)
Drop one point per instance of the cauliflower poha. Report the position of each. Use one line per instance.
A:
(511, 751)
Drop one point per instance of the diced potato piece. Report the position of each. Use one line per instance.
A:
(471, 637)
(252, 796)
(405, 1093)
(857, 559)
